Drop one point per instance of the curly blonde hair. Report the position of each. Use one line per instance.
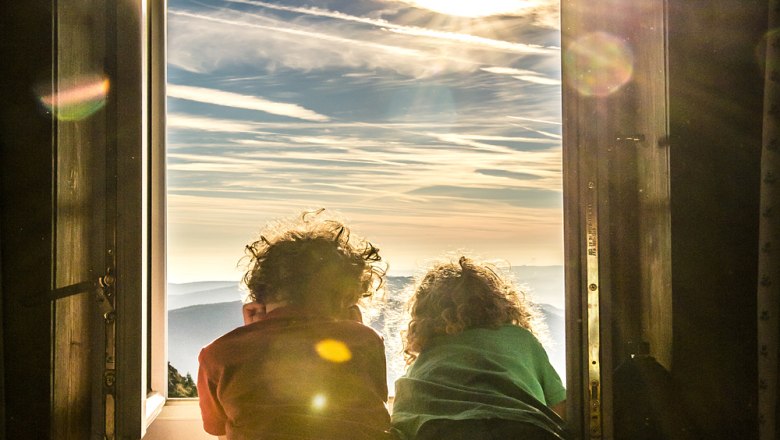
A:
(452, 298)
(313, 262)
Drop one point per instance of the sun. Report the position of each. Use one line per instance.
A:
(474, 8)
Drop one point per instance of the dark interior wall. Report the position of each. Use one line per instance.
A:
(715, 102)
(26, 186)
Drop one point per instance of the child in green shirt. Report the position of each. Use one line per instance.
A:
(476, 369)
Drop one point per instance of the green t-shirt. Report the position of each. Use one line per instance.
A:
(481, 373)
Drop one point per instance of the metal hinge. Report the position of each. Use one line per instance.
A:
(104, 294)
(593, 308)
(106, 300)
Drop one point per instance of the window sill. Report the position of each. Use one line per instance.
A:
(154, 405)
(179, 419)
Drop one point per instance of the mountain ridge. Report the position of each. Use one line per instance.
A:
(191, 328)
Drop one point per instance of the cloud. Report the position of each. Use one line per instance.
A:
(524, 75)
(350, 167)
(229, 99)
(507, 174)
(524, 197)
(202, 123)
(296, 32)
(458, 37)
(539, 80)
(234, 38)
(544, 121)
(482, 9)
(422, 135)
(322, 39)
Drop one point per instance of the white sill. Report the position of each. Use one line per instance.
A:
(179, 419)
(153, 406)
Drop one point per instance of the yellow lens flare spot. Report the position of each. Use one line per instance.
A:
(77, 98)
(598, 64)
(318, 402)
(333, 351)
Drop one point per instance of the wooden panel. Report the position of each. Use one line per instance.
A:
(652, 183)
(79, 178)
(26, 163)
(715, 102)
(616, 180)
(129, 74)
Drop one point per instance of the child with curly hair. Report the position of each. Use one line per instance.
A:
(476, 370)
(303, 366)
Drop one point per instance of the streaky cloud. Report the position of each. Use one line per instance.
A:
(203, 123)
(242, 38)
(507, 70)
(236, 100)
(411, 30)
(542, 132)
(320, 36)
(507, 174)
(539, 80)
(480, 41)
(544, 121)
(523, 75)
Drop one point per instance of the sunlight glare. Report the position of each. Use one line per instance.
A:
(474, 8)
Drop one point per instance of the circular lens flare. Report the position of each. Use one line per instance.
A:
(77, 98)
(598, 64)
(333, 351)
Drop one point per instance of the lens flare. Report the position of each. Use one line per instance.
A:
(77, 98)
(318, 402)
(333, 351)
(598, 64)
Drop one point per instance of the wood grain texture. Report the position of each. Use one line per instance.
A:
(79, 60)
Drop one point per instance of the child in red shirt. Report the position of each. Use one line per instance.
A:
(301, 368)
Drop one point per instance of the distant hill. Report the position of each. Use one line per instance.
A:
(555, 344)
(543, 284)
(206, 292)
(191, 328)
(200, 312)
(198, 286)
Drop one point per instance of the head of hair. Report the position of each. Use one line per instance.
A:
(453, 297)
(312, 262)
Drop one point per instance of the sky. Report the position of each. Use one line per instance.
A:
(429, 125)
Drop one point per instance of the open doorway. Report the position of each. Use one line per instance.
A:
(430, 127)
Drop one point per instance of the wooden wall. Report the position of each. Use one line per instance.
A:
(715, 100)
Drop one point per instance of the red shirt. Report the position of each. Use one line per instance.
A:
(295, 377)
